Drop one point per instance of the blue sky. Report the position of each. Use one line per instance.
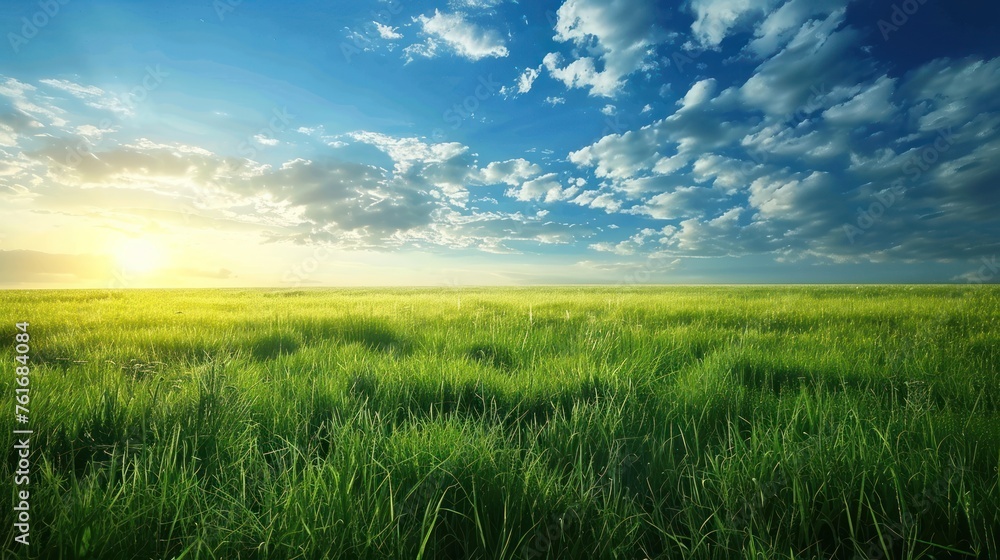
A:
(241, 143)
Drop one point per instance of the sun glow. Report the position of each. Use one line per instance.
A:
(139, 256)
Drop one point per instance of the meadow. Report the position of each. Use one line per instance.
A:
(603, 422)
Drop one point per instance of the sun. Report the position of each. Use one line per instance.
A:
(139, 256)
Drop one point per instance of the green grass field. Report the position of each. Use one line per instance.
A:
(687, 422)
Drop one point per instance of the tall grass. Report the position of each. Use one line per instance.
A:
(752, 422)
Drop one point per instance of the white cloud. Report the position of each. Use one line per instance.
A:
(804, 76)
(606, 202)
(464, 38)
(952, 92)
(524, 82)
(526, 79)
(16, 90)
(597, 199)
(869, 106)
(720, 236)
(726, 174)
(511, 172)
(92, 96)
(475, 4)
(76, 90)
(446, 166)
(555, 100)
(546, 188)
(315, 201)
(699, 93)
(620, 156)
(681, 202)
(13, 124)
(617, 35)
(780, 26)
(25, 100)
(581, 73)
(407, 151)
(714, 19)
(636, 242)
(427, 49)
(609, 110)
(265, 140)
(386, 32)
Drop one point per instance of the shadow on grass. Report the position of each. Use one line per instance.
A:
(419, 399)
(372, 335)
(272, 345)
(493, 356)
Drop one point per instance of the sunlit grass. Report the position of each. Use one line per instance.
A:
(512, 423)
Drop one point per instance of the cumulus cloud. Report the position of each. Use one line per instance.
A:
(620, 156)
(782, 160)
(821, 55)
(462, 37)
(321, 199)
(721, 236)
(500, 232)
(633, 244)
(870, 105)
(405, 151)
(682, 202)
(714, 19)
(782, 24)
(618, 35)
(547, 188)
(446, 166)
(699, 93)
(512, 172)
(335, 195)
(814, 139)
(387, 32)
(949, 92)
(598, 199)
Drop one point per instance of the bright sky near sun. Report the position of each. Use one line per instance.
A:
(405, 142)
